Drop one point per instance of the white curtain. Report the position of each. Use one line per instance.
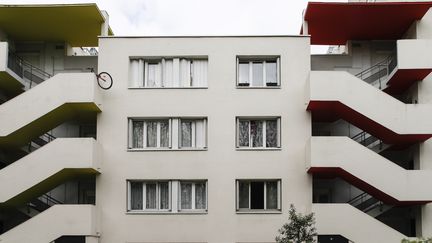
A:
(164, 195)
(185, 73)
(136, 73)
(186, 134)
(186, 195)
(200, 133)
(150, 196)
(243, 134)
(256, 133)
(164, 134)
(199, 73)
(272, 194)
(271, 134)
(137, 134)
(168, 75)
(200, 196)
(151, 134)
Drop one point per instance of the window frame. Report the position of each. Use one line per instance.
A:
(145, 121)
(193, 195)
(264, 119)
(263, 60)
(160, 60)
(265, 210)
(144, 188)
(174, 134)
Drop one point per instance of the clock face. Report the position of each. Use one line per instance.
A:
(104, 80)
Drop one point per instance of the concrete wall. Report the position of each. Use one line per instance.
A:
(221, 164)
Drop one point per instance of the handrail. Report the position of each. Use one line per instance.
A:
(358, 197)
(26, 70)
(380, 70)
(50, 199)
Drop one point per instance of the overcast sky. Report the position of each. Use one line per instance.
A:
(198, 17)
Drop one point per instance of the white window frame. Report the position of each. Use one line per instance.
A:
(193, 209)
(143, 72)
(144, 204)
(264, 120)
(262, 60)
(174, 133)
(158, 133)
(279, 198)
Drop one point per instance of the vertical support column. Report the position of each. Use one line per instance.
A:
(105, 24)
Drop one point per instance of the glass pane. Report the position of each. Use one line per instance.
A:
(151, 75)
(186, 134)
(243, 195)
(164, 133)
(257, 133)
(272, 195)
(164, 195)
(151, 134)
(136, 196)
(257, 195)
(150, 196)
(257, 74)
(244, 133)
(271, 133)
(186, 195)
(271, 72)
(200, 196)
(243, 73)
(137, 134)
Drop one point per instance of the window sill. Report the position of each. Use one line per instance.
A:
(166, 213)
(258, 149)
(260, 212)
(166, 149)
(167, 88)
(256, 87)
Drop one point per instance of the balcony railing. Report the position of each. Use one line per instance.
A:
(29, 73)
(378, 74)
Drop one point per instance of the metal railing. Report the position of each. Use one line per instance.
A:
(366, 139)
(379, 72)
(26, 70)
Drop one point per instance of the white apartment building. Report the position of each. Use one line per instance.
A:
(209, 139)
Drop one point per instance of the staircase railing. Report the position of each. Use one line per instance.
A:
(366, 139)
(26, 70)
(379, 72)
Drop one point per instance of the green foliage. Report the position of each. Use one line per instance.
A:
(300, 228)
(419, 240)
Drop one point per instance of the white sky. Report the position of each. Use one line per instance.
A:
(199, 17)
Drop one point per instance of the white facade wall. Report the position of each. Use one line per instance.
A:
(221, 164)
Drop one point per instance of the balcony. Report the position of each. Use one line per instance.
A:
(47, 167)
(363, 168)
(337, 95)
(60, 98)
(57, 221)
(353, 224)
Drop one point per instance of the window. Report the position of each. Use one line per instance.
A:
(193, 195)
(168, 133)
(258, 133)
(157, 196)
(168, 72)
(258, 195)
(151, 134)
(149, 195)
(258, 72)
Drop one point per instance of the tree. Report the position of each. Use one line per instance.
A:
(300, 228)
